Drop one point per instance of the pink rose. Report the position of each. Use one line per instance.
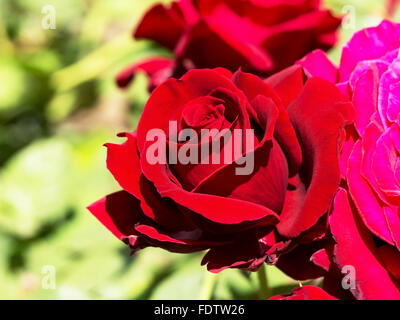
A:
(365, 222)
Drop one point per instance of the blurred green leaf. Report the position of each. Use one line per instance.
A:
(8, 288)
(185, 283)
(35, 187)
(11, 77)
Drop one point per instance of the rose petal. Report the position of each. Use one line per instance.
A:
(351, 136)
(391, 259)
(253, 86)
(369, 206)
(246, 253)
(371, 136)
(384, 163)
(159, 69)
(265, 185)
(298, 265)
(355, 247)
(393, 221)
(365, 98)
(124, 164)
(317, 64)
(310, 31)
(306, 293)
(322, 258)
(214, 208)
(118, 212)
(390, 77)
(287, 83)
(170, 20)
(318, 132)
(227, 51)
(159, 239)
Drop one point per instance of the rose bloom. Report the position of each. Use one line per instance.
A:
(261, 37)
(365, 221)
(243, 220)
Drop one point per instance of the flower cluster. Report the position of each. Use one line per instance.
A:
(365, 221)
(260, 150)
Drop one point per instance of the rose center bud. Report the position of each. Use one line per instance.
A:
(198, 117)
(195, 149)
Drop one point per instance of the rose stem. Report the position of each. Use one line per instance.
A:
(262, 278)
(209, 281)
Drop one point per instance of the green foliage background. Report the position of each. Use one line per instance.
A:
(58, 105)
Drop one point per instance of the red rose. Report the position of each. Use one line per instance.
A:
(261, 37)
(295, 129)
